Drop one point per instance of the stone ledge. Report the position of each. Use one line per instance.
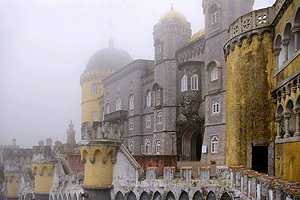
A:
(286, 140)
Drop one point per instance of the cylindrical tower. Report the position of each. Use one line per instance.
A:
(101, 64)
(249, 119)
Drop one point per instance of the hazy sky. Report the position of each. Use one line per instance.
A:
(45, 46)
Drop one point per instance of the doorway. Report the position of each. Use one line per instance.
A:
(260, 158)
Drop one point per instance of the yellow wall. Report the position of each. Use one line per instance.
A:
(287, 161)
(13, 184)
(98, 173)
(44, 182)
(89, 101)
(249, 106)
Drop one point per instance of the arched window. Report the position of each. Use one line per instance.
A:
(148, 122)
(119, 104)
(148, 99)
(148, 147)
(278, 51)
(194, 82)
(215, 107)
(184, 83)
(215, 17)
(159, 117)
(118, 86)
(107, 108)
(214, 74)
(131, 102)
(157, 150)
(131, 124)
(94, 115)
(214, 144)
(158, 94)
(94, 88)
(131, 146)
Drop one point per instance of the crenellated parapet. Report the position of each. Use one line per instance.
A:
(192, 51)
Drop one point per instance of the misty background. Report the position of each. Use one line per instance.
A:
(46, 44)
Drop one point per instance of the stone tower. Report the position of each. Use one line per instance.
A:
(71, 142)
(171, 33)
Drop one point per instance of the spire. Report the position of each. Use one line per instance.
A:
(111, 43)
(171, 6)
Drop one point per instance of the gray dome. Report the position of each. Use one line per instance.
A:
(108, 58)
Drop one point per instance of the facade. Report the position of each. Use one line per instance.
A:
(175, 104)
(263, 90)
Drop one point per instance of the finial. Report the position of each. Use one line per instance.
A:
(171, 6)
(111, 43)
(71, 121)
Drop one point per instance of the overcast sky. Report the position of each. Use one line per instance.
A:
(45, 46)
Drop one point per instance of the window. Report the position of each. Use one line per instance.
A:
(158, 94)
(148, 122)
(159, 49)
(119, 104)
(148, 147)
(131, 124)
(131, 146)
(158, 143)
(94, 115)
(118, 86)
(194, 82)
(214, 144)
(148, 99)
(184, 83)
(214, 74)
(94, 88)
(159, 117)
(215, 17)
(215, 107)
(131, 102)
(107, 108)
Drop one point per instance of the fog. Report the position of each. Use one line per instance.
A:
(45, 46)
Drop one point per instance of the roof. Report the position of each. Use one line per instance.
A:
(171, 14)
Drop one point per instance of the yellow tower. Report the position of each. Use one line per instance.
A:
(249, 120)
(101, 64)
(13, 180)
(43, 164)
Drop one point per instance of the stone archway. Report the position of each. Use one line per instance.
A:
(191, 143)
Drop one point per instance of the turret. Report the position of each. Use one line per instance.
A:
(43, 164)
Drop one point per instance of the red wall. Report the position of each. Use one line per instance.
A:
(75, 163)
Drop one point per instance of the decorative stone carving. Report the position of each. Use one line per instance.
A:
(113, 160)
(104, 160)
(41, 173)
(92, 160)
(83, 160)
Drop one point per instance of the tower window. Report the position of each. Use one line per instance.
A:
(131, 102)
(94, 88)
(214, 74)
(158, 143)
(158, 94)
(184, 83)
(119, 104)
(159, 49)
(94, 115)
(215, 106)
(194, 82)
(214, 144)
(131, 124)
(148, 122)
(131, 146)
(107, 108)
(148, 147)
(148, 99)
(215, 17)
(159, 117)
(118, 86)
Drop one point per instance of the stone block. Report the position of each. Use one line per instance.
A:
(151, 173)
(186, 172)
(223, 172)
(204, 173)
(169, 173)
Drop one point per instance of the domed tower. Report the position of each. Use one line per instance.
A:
(103, 63)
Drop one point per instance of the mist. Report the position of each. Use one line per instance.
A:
(46, 44)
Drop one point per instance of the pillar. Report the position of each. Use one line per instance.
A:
(297, 114)
(296, 31)
(287, 132)
(278, 121)
(276, 53)
(285, 44)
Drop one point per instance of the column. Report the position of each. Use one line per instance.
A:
(287, 132)
(296, 31)
(285, 44)
(278, 120)
(297, 114)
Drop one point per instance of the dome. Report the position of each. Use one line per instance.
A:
(171, 14)
(108, 58)
(197, 35)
